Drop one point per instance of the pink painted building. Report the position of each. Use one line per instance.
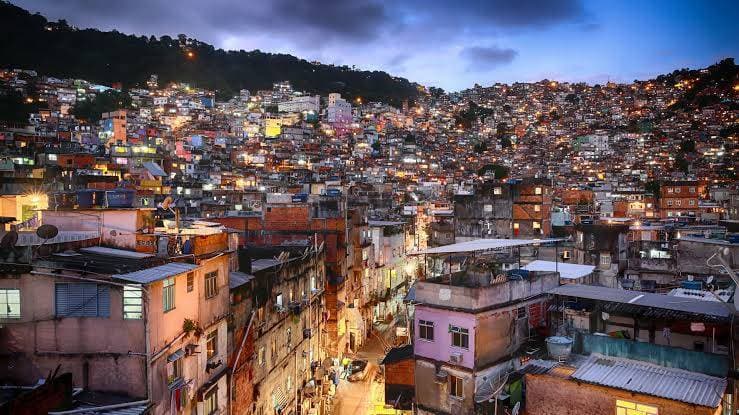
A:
(469, 331)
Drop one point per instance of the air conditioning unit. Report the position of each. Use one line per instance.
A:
(441, 376)
(456, 358)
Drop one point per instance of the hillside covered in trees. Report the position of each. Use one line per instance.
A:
(29, 41)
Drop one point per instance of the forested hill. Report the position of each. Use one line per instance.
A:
(29, 41)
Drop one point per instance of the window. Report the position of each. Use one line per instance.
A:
(605, 260)
(278, 301)
(537, 208)
(168, 294)
(536, 225)
(691, 202)
(456, 387)
(53, 157)
(10, 303)
(460, 337)
(260, 356)
(426, 330)
(677, 190)
(632, 408)
(82, 300)
(487, 208)
(669, 202)
(497, 190)
(211, 344)
(669, 190)
(678, 202)
(692, 190)
(537, 190)
(211, 284)
(174, 367)
(190, 281)
(521, 312)
(210, 402)
(133, 304)
(289, 382)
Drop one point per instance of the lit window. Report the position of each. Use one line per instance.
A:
(537, 208)
(211, 402)
(174, 367)
(10, 303)
(133, 305)
(497, 191)
(536, 225)
(456, 387)
(537, 191)
(53, 157)
(632, 408)
(460, 337)
(211, 344)
(168, 294)
(426, 330)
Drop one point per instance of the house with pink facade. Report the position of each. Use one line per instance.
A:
(470, 328)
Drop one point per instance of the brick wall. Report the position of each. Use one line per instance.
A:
(551, 395)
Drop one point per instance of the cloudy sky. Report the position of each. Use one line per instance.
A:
(448, 43)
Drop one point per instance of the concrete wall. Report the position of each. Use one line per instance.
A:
(550, 395)
(465, 298)
(441, 348)
(434, 397)
(94, 350)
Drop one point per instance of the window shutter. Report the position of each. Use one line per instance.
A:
(103, 301)
(89, 307)
(61, 297)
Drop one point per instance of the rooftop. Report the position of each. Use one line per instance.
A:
(637, 302)
(650, 379)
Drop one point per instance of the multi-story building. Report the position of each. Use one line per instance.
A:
(305, 103)
(470, 325)
(680, 198)
(133, 324)
(284, 288)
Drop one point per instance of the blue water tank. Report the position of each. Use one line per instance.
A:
(300, 198)
(120, 198)
(86, 198)
(692, 285)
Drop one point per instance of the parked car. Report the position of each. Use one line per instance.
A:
(358, 370)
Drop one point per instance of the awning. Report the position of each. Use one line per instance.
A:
(566, 270)
(176, 355)
(483, 245)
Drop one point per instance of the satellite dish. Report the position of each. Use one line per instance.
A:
(113, 233)
(516, 408)
(47, 231)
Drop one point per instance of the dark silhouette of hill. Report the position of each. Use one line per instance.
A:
(29, 41)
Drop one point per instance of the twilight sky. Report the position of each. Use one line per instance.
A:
(446, 43)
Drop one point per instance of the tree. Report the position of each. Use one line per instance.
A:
(652, 187)
(110, 100)
(498, 171)
(687, 146)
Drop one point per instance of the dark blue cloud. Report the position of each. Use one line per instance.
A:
(481, 58)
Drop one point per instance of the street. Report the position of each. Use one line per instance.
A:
(360, 397)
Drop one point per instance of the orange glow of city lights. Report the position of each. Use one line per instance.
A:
(190, 54)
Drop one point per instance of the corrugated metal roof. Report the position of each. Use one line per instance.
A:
(566, 270)
(237, 279)
(484, 244)
(650, 379)
(643, 299)
(115, 252)
(161, 272)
